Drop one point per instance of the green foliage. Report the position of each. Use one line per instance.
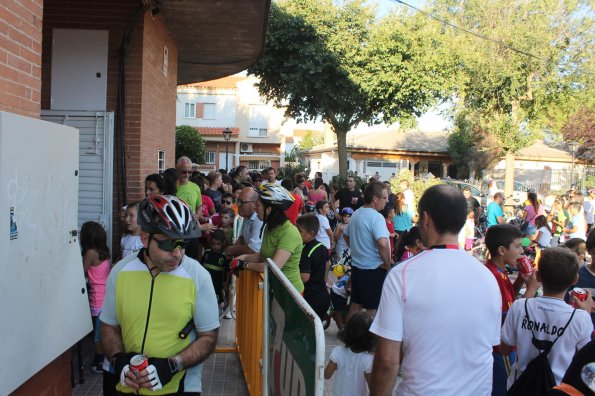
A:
(416, 184)
(189, 143)
(310, 140)
(471, 147)
(517, 96)
(290, 170)
(333, 60)
(341, 181)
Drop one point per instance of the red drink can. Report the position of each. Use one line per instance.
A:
(525, 266)
(580, 294)
(138, 363)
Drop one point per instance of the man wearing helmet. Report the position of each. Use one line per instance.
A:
(281, 240)
(160, 303)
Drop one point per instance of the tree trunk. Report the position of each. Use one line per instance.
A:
(509, 179)
(342, 151)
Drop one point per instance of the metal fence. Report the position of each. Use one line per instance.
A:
(553, 181)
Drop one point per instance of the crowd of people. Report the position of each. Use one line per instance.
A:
(408, 300)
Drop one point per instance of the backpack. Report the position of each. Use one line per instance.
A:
(538, 378)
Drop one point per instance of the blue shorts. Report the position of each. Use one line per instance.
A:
(501, 371)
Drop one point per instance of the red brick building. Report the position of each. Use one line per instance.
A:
(144, 49)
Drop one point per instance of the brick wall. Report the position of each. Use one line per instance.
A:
(158, 114)
(54, 379)
(20, 56)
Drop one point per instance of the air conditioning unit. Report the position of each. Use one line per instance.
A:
(246, 147)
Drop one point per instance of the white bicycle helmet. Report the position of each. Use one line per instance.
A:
(274, 195)
(168, 215)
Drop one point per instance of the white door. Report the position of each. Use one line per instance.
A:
(96, 142)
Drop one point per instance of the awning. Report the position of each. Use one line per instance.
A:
(215, 38)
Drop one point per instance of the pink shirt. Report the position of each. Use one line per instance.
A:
(97, 280)
(531, 215)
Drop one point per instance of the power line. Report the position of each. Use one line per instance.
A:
(481, 36)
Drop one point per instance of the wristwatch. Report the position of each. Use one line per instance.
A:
(177, 363)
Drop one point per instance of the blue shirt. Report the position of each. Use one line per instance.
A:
(364, 229)
(494, 211)
(403, 221)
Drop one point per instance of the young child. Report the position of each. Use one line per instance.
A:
(389, 214)
(576, 226)
(96, 264)
(577, 246)
(341, 246)
(547, 316)
(544, 232)
(314, 265)
(130, 242)
(504, 244)
(325, 234)
(470, 230)
(228, 202)
(353, 362)
(215, 262)
(410, 244)
(339, 294)
(227, 217)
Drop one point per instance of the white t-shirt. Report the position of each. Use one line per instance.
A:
(545, 238)
(349, 377)
(445, 307)
(130, 244)
(409, 199)
(579, 221)
(322, 235)
(589, 207)
(548, 315)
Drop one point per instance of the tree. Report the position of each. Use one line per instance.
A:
(522, 85)
(335, 61)
(189, 143)
(310, 140)
(580, 128)
(471, 147)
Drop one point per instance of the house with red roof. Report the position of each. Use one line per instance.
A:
(259, 130)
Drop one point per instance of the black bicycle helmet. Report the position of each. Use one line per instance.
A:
(274, 195)
(168, 215)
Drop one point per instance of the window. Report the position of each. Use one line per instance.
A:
(160, 161)
(209, 111)
(189, 110)
(258, 164)
(210, 157)
(258, 132)
(259, 122)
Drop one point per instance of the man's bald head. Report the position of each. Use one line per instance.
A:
(247, 201)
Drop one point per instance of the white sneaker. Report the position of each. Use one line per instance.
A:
(227, 315)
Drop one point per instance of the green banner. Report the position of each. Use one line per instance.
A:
(291, 342)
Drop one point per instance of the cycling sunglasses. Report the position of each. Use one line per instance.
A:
(169, 245)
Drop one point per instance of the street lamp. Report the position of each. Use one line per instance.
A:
(227, 136)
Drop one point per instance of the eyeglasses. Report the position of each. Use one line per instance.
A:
(186, 172)
(241, 202)
(169, 245)
(227, 202)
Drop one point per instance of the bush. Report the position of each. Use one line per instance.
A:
(341, 181)
(417, 184)
(189, 143)
(290, 170)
